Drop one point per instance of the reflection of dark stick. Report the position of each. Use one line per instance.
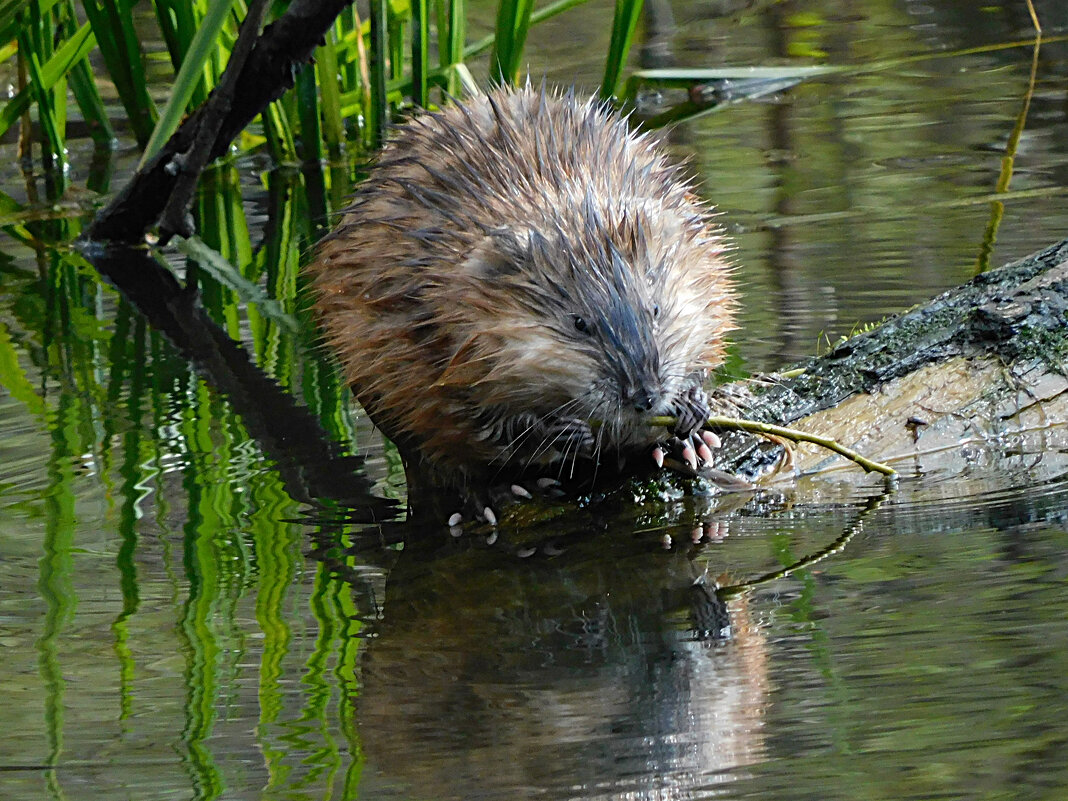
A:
(279, 52)
(310, 464)
(176, 218)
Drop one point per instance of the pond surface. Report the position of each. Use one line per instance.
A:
(196, 604)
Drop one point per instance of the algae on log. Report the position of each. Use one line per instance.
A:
(976, 374)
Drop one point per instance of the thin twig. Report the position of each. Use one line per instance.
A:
(1008, 161)
(1034, 18)
(768, 429)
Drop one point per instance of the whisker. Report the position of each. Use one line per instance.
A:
(508, 448)
(547, 443)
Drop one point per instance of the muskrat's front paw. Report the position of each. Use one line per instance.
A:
(691, 412)
(692, 450)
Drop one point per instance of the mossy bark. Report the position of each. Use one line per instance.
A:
(987, 356)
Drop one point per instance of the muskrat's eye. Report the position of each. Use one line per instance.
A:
(581, 325)
(656, 310)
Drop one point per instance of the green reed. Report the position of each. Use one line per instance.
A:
(365, 72)
(191, 60)
(624, 24)
(131, 428)
(120, 48)
(513, 23)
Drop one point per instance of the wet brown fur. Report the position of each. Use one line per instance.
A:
(452, 290)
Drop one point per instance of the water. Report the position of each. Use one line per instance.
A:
(193, 607)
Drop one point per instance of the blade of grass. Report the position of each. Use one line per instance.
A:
(542, 14)
(190, 74)
(9, 21)
(396, 22)
(219, 268)
(112, 22)
(363, 65)
(167, 19)
(441, 20)
(346, 33)
(513, 23)
(453, 50)
(52, 134)
(624, 23)
(997, 207)
(420, 51)
(280, 140)
(311, 135)
(502, 42)
(379, 110)
(85, 92)
(49, 24)
(329, 79)
(72, 50)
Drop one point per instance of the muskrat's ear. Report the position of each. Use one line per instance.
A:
(501, 253)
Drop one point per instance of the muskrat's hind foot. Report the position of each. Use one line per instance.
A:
(483, 505)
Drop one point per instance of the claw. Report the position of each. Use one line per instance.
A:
(489, 516)
(658, 456)
(691, 411)
(455, 519)
(688, 455)
(711, 440)
(703, 452)
(521, 492)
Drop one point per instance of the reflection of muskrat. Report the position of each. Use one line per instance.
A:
(520, 281)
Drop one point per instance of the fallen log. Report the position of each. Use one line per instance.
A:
(978, 369)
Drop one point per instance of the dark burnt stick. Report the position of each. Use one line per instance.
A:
(176, 218)
(283, 47)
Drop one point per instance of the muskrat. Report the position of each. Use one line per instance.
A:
(520, 282)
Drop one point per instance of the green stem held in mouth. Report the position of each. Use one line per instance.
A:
(756, 427)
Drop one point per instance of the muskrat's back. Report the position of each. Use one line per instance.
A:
(520, 281)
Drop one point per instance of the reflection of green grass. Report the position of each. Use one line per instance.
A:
(55, 582)
(132, 424)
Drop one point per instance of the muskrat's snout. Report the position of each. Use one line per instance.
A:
(642, 400)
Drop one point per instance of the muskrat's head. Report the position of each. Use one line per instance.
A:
(597, 312)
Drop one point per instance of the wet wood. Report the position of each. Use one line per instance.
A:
(977, 364)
